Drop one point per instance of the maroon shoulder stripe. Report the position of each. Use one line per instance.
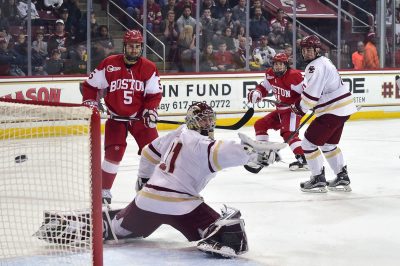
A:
(310, 97)
(208, 153)
(334, 100)
(151, 147)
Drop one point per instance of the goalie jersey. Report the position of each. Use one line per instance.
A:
(180, 165)
(325, 91)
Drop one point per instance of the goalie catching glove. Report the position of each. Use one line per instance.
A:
(150, 118)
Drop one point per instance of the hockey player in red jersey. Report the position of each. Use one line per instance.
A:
(326, 94)
(132, 90)
(286, 85)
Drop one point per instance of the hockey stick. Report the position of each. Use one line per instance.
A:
(245, 118)
(276, 102)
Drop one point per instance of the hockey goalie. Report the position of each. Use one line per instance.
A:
(173, 170)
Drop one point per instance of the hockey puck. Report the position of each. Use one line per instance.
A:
(21, 158)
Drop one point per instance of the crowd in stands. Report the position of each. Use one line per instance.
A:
(59, 35)
(58, 38)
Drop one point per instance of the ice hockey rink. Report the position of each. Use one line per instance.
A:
(284, 225)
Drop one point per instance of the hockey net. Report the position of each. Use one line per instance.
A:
(49, 163)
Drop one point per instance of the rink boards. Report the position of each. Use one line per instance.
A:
(377, 91)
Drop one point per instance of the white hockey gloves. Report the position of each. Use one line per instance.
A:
(254, 96)
(265, 152)
(150, 118)
(91, 104)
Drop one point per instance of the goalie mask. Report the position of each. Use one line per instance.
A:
(133, 46)
(201, 118)
(280, 64)
(310, 47)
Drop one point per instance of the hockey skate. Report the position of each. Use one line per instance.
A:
(106, 196)
(300, 164)
(316, 184)
(341, 182)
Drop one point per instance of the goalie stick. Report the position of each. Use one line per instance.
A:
(245, 118)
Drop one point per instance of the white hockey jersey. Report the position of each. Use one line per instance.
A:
(188, 161)
(325, 91)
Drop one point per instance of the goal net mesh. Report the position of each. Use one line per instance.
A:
(45, 170)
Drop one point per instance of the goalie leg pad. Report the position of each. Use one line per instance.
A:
(226, 237)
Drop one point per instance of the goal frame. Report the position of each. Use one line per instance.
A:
(96, 182)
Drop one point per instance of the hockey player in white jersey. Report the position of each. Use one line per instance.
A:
(324, 92)
(180, 164)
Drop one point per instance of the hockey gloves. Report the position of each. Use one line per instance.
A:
(91, 104)
(150, 118)
(296, 108)
(254, 96)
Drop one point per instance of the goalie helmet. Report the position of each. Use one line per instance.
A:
(280, 69)
(131, 39)
(201, 118)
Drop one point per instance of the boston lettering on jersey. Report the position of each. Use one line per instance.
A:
(278, 91)
(126, 84)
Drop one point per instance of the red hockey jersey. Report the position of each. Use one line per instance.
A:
(128, 90)
(286, 89)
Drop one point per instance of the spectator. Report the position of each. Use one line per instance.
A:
(276, 38)
(289, 53)
(300, 63)
(74, 13)
(209, 26)
(77, 64)
(186, 19)
(67, 19)
(371, 60)
(58, 40)
(264, 52)
(228, 39)
(8, 60)
(220, 8)
(22, 9)
(208, 4)
(38, 62)
(288, 33)
(104, 35)
(258, 25)
(240, 55)
(186, 46)
(258, 4)
(241, 32)
(154, 16)
(54, 65)
(171, 6)
(81, 32)
(39, 45)
(132, 7)
(207, 61)
(280, 17)
(169, 29)
(227, 22)
(182, 4)
(4, 23)
(12, 12)
(223, 58)
(357, 58)
(239, 12)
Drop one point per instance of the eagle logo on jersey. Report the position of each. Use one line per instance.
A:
(311, 69)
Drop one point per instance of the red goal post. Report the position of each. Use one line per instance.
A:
(50, 161)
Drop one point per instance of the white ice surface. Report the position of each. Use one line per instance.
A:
(284, 225)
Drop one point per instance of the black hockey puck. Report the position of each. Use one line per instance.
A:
(21, 158)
